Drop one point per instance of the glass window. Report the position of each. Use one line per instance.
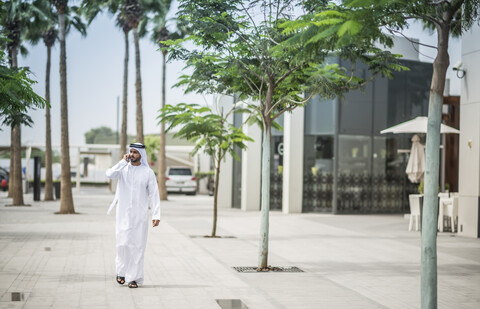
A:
(237, 168)
(354, 154)
(276, 173)
(279, 120)
(319, 116)
(180, 171)
(318, 173)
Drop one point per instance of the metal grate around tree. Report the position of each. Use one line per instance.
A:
(284, 269)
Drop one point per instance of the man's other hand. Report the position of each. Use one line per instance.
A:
(155, 222)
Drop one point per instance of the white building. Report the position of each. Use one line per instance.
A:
(469, 169)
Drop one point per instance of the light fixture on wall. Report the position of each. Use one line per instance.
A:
(458, 68)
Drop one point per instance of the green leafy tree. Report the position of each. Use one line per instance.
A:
(151, 145)
(210, 132)
(376, 21)
(100, 135)
(16, 99)
(238, 52)
(15, 18)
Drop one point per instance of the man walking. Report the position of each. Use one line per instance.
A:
(137, 186)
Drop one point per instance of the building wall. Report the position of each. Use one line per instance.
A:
(469, 165)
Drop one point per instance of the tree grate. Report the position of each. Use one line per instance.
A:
(231, 304)
(17, 296)
(207, 236)
(248, 269)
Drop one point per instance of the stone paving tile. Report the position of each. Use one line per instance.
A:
(67, 261)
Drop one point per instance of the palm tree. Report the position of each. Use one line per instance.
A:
(43, 28)
(137, 14)
(49, 38)
(66, 198)
(160, 34)
(15, 17)
(133, 13)
(123, 133)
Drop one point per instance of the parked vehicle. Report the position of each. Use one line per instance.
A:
(4, 176)
(181, 180)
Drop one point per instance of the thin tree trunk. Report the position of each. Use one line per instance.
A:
(123, 135)
(430, 206)
(215, 196)
(162, 157)
(138, 87)
(66, 198)
(48, 134)
(265, 202)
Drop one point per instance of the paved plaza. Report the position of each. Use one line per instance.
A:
(361, 261)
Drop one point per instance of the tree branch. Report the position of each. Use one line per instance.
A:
(286, 75)
(409, 39)
(292, 107)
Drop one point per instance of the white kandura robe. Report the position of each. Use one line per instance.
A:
(137, 185)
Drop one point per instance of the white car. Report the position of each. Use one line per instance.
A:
(181, 180)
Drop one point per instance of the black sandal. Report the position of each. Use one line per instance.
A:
(120, 280)
(132, 285)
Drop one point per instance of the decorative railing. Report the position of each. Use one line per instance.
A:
(357, 193)
(276, 191)
(318, 193)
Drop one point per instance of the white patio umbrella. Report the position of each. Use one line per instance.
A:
(416, 163)
(417, 125)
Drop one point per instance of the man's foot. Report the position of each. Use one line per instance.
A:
(132, 285)
(120, 280)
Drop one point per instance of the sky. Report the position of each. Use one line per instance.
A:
(95, 80)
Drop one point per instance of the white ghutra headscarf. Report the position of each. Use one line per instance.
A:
(141, 149)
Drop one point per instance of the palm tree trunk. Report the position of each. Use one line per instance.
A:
(13, 64)
(17, 167)
(10, 171)
(162, 157)
(215, 196)
(123, 135)
(432, 149)
(138, 87)
(48, 134)
(16, 151)
(66, 198)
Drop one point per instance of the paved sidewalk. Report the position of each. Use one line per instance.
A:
(363, 261)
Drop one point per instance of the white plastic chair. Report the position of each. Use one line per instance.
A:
(414, 200)
(451, 211)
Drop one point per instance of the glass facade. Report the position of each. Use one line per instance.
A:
(276, 167)
(349, 167)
